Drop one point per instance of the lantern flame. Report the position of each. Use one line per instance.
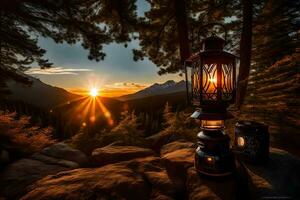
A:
(213, 80)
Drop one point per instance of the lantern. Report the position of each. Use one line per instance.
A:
(213, 81)
(213, 75)
(251, 141)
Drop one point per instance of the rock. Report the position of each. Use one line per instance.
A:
(4, 157)
(113, 154)
(156, 141)
(196, 189)
(117, 143)
(177, 163)
(140, 178)
(115, 181)
(22, 173)
(155, 195)
(152, 169)
(225, 188)
(66, 152)
(54, 161)
(161, 183)
(278, 178)
(173, 146)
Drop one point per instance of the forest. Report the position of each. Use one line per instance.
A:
(61, 145)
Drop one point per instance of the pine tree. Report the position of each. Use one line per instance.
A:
(168, 31)
(93, 23)
(275, 32)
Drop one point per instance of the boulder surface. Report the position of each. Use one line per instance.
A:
(16, 177)
(64, 151)
(19, 175)
(277, 178)
(113, 154)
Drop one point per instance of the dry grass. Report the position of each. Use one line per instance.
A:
(20, 136)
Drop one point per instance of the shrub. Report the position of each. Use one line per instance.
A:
(20, 137)
(126, 132)
(180, 125)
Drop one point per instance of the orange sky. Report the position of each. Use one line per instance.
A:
(114, 90)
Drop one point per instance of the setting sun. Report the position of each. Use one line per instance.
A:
(93, 92)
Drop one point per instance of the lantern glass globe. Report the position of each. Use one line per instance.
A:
(212, 124)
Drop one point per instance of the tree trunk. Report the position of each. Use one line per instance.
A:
(182, 29)
(245, 51)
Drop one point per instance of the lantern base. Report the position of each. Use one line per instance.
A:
(213, 156)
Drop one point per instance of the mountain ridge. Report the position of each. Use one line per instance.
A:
(156, 89)
(37, 93)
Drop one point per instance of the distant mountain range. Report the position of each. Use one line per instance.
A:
(38, 93)
(44, 95)
(156, 89)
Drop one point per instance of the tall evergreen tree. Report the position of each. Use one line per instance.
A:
(168, 29)
(93, 23)
(276, 32)
(245, 50)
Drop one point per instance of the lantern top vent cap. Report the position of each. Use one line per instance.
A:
(213, 43)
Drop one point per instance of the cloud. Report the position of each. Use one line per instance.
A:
(56, 71)
(126, 85)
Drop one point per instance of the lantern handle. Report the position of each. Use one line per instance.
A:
(213, 24)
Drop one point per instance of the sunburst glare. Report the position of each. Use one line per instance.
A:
(94, 92)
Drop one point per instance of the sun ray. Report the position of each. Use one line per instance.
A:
(105, 111)
(71, 101)
(86, 109)
(74, 112)
(93, 111)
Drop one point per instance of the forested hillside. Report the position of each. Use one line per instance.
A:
(273, 98)
(273, 89)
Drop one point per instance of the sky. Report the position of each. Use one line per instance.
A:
(117, 75)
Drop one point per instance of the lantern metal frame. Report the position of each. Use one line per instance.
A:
(213, 81)
(213, 64)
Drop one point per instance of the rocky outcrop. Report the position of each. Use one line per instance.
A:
(64, 151)
(225, 188)
(279, 177)
(54, 161)
(4, 157)
(141, 178)
(112, 154)
(177, 160)
(162, 138)
(17, 176)
(147, 176)
(114, 181)
(173, 146)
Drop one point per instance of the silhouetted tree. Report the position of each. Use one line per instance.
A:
(93, 23)
(245, 50)
(169, 28)
(276, 32)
